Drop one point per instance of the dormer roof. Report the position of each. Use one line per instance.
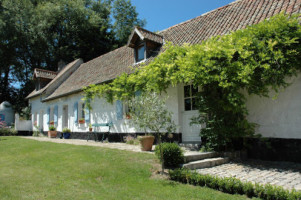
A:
(143, 34)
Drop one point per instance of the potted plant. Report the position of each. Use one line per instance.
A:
(52, 132)
(51, 122)
(150, 114)
(90, 127)
(66, 133)
(128, 116)
(146, 142)
(81, 121)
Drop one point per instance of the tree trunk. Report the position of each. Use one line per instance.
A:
(4, 95)
(161, 154)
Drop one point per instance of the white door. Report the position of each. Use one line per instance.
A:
(190, 133)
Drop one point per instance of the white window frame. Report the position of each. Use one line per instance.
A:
(137, 55)
(189, 97)
(81, 111)
(51, 118)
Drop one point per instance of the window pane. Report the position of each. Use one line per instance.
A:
(140, 53)
(83, 111)
(187, 104)
(194, 104)
(187, 91)
(194, 91)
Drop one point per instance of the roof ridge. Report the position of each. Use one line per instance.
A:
(138, 27)
(206, 13)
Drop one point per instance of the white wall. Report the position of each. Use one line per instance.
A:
(22, 125)
(279, 118)
(102, 112)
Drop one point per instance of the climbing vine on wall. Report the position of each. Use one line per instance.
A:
(254, 60)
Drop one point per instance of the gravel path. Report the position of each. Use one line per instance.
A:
(117, 145)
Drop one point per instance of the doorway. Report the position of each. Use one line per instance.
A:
(190, 132)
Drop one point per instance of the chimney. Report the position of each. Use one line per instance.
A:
(60, 65)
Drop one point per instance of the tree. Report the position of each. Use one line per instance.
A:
(150, 114)
(40, 33)
(126, 18)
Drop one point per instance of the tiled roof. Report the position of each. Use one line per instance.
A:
(234, 16)
(150, 35)
(144, 35)
(231, 17)
(42, 73)
(100, 69)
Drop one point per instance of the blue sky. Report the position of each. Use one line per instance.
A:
(161, 14)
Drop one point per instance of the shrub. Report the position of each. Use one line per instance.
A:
(65, 130)
(36, 131)
(131, 140)
(234, 185)
(249, 189)
(7, 131)
(172, 154)
(52, 128)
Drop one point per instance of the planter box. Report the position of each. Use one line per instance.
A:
(52, 134)
(81, 121)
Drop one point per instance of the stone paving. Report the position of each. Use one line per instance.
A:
(283, 174)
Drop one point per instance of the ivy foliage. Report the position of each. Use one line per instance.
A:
(249, 61)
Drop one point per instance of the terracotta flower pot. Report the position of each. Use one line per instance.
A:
(52, 134)
(90, 129)
(81, 121)
(147, 142)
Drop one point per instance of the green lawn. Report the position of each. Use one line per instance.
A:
(42, 170)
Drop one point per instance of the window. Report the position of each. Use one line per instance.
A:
(35, 119)
(140, 53)
(81, 111)
(127, 110)
(190, 94)
(51, 117)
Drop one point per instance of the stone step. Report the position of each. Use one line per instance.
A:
(191, 146)
(210, 162)
(194, 156)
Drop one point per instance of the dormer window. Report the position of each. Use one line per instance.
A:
(144, 43)
(140, 53)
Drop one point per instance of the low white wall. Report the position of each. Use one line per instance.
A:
(22, 125)
(279, 118)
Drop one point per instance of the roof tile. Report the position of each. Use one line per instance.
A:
(234, 16)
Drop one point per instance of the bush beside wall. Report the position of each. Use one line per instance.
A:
(172, 154)
(7, 131)
(234, 186)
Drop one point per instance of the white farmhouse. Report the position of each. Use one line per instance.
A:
(58, 95)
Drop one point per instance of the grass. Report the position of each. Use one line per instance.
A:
(42, 170)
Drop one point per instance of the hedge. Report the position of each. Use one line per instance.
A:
(234, 185)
